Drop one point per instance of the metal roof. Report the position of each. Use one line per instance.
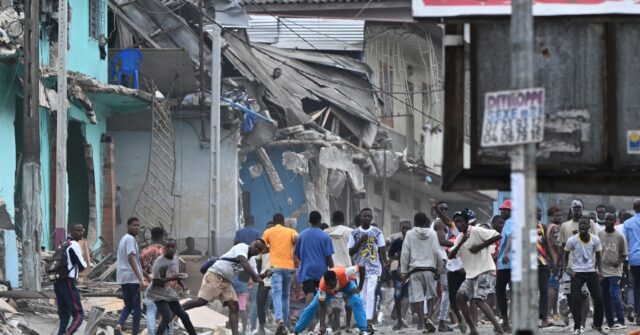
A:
(307, 33)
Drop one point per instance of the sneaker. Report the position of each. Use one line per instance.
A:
(618, 326)
(429, 326)
(281, 329)
(602, 330)
(463, 326)
(397, 326)
(577, 331)
(582, 329)
(444, 328)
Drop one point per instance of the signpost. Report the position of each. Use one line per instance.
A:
(516, 118)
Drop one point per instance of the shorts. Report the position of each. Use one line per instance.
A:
(479, 287)
(215, 287)
(554, 283)
(401, 290)
(242, 301)
(310, 286)
(422, 286)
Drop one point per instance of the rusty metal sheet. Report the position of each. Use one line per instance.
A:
(627, 94)
(569, 64)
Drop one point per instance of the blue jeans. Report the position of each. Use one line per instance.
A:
(131, 297)
(355, 302)
(280, 289)
(152, 311)
(612, 300)
(253, 313)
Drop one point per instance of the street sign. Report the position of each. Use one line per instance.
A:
(513, 117)
(453, 8)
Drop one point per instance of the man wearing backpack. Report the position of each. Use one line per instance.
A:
(67, 295)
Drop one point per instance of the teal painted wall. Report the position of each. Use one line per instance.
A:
(45, 168)
(8, 83)
(83, 54)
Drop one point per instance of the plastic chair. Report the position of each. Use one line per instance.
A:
(129, 60)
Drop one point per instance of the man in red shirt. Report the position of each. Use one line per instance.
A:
(337, 279)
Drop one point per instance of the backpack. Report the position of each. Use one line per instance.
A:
(58, 268)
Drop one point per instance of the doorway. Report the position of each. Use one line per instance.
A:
(77, 176)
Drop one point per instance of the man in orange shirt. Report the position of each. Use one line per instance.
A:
(281, 241)
(337, 279)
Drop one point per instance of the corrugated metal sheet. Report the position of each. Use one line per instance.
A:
(307, 34)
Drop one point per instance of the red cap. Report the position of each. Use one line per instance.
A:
(506, 205)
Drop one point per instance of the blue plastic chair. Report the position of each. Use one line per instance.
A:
(129, 60)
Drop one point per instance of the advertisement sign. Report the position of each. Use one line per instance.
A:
(452, 8)
(513, 117)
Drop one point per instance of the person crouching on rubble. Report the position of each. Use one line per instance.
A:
(165, 270)
(67, 295)
(337, 279)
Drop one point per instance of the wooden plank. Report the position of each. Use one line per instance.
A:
(19, 294)
(95, 315)
(108, 272)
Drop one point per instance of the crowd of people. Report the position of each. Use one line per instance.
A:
(443, 270)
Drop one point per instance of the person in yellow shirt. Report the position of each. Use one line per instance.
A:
(281, 241)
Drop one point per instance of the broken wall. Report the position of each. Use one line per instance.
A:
(191, 219)
(262, 201)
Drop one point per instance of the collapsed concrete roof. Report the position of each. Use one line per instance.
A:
(342, 83)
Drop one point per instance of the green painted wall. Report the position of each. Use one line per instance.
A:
(8, 82)
(84, 55)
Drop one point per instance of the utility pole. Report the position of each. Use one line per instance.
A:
(61, 126)
(214, 137)
(384, 186)
(31, 212)
(523, 181)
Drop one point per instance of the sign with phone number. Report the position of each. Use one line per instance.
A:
(513, 117)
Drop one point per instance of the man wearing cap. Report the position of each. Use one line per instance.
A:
(567, 230)
(504, 264)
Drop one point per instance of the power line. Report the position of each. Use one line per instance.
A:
(331, 58)
(376, 88)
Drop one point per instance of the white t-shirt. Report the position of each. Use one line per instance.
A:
(583, 254)
(480, 262)
(124, 272)
(368, 255)
(228, 269)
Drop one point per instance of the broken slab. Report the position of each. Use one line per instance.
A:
(267, 164)
(298, 163)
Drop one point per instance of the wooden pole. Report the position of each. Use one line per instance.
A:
(31, 212)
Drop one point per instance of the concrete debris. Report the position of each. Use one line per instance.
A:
(298, 163)
(308, 135)
(11, 28)
(392, 163)
(336, 183)
(267, 164)
(75, 92)
(291, 130)
(255, 170)
(335, 158)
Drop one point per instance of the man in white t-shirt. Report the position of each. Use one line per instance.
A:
(367, 245)
(216, 283)
(585, 251)
(473, 245)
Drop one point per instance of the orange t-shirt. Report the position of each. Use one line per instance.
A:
(344, 276)
(280, 240)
